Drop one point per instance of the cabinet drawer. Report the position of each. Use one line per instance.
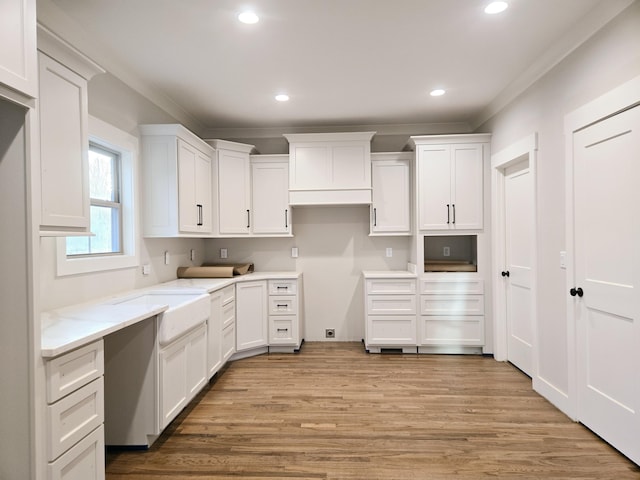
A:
(281, 330)
(387, 330)
(391, 304)
(391, 286)
(452, 330)
(228, 294)
(283, 305)
(72, 370)
(452, 304)
(74, 416)
(448, 286)
(283, 287)
(84, 461)
(228, 341)
(228, 314)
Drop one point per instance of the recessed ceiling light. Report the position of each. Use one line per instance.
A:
(248, 17)
(282, 97)
(496, 7)
(438, 92)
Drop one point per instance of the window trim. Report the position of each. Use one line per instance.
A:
(121, 142)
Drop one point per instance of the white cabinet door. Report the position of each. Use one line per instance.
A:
(434, 187)
(64, 145)
(466, 186)
(391, 208)
(196, 361)
(251, 315)
(18, 58)
(194, 189)
(173, 381)
(234, 190)
(270, 198)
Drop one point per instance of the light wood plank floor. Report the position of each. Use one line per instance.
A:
(334, 412)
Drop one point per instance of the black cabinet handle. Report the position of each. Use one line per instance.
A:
(199, 214)
(286, 218)
(576, 291)
(454, 213)
(505, 274)
(375, 217)
(283, 329)
(248, 219)
(448, 215)
(279, 305)
(282, 287)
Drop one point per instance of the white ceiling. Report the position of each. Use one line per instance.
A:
(343, 62)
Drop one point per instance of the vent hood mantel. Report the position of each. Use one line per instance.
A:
(330, 168)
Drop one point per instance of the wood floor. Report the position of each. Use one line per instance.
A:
(334, 412)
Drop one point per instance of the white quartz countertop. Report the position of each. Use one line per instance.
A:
(388, 274)
(71, 327)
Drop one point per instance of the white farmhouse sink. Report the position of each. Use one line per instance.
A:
(186, 310)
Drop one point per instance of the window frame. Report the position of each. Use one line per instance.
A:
(110, 138)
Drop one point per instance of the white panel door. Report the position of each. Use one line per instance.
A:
(187, 210)
(270, 198)
(251, 315)
(518, 273)
(204, 203)
(607, 274)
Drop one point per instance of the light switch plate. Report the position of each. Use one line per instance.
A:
(223, 253)
(389, 252)
(294, 252)
(146, 269)
(192, 255)
(167, 258)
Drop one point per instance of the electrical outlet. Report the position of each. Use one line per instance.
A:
(223, 253)
(167, 258)
(146, 269)
(446, 251)
(330, 333)
(294, 252)
(192, 255)
(389, 252)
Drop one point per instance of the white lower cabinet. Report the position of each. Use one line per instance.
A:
(251, 315)
(75, 414)
(221, 329)
(183, 373)
(285, 323)
(451, 313)
(390, 305)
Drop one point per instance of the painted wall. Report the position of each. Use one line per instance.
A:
(606, 60)
(334, 248)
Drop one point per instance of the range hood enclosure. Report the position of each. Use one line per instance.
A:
(330, 168)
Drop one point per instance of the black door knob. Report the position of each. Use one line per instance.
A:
(505, 274)
(576, 291)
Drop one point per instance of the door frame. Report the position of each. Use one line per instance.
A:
(525, 148)
(621, 98)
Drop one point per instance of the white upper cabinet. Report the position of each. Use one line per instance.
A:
(177, 177)
(18, 58)
(64, 138)
(234, 187)
(270, 195)
(450, 181)
(330, 168)
(391, 181)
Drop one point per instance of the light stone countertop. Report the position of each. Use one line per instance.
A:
(68, 328)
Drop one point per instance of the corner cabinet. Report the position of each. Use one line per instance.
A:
(330, 168)
(270, 195)
(177, 176)
(233, 182)
(391, 183)
(251, 315)
(18, 60)
(450, 181)
(64, 136)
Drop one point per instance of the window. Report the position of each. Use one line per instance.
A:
(106, 210)
(112, 172)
